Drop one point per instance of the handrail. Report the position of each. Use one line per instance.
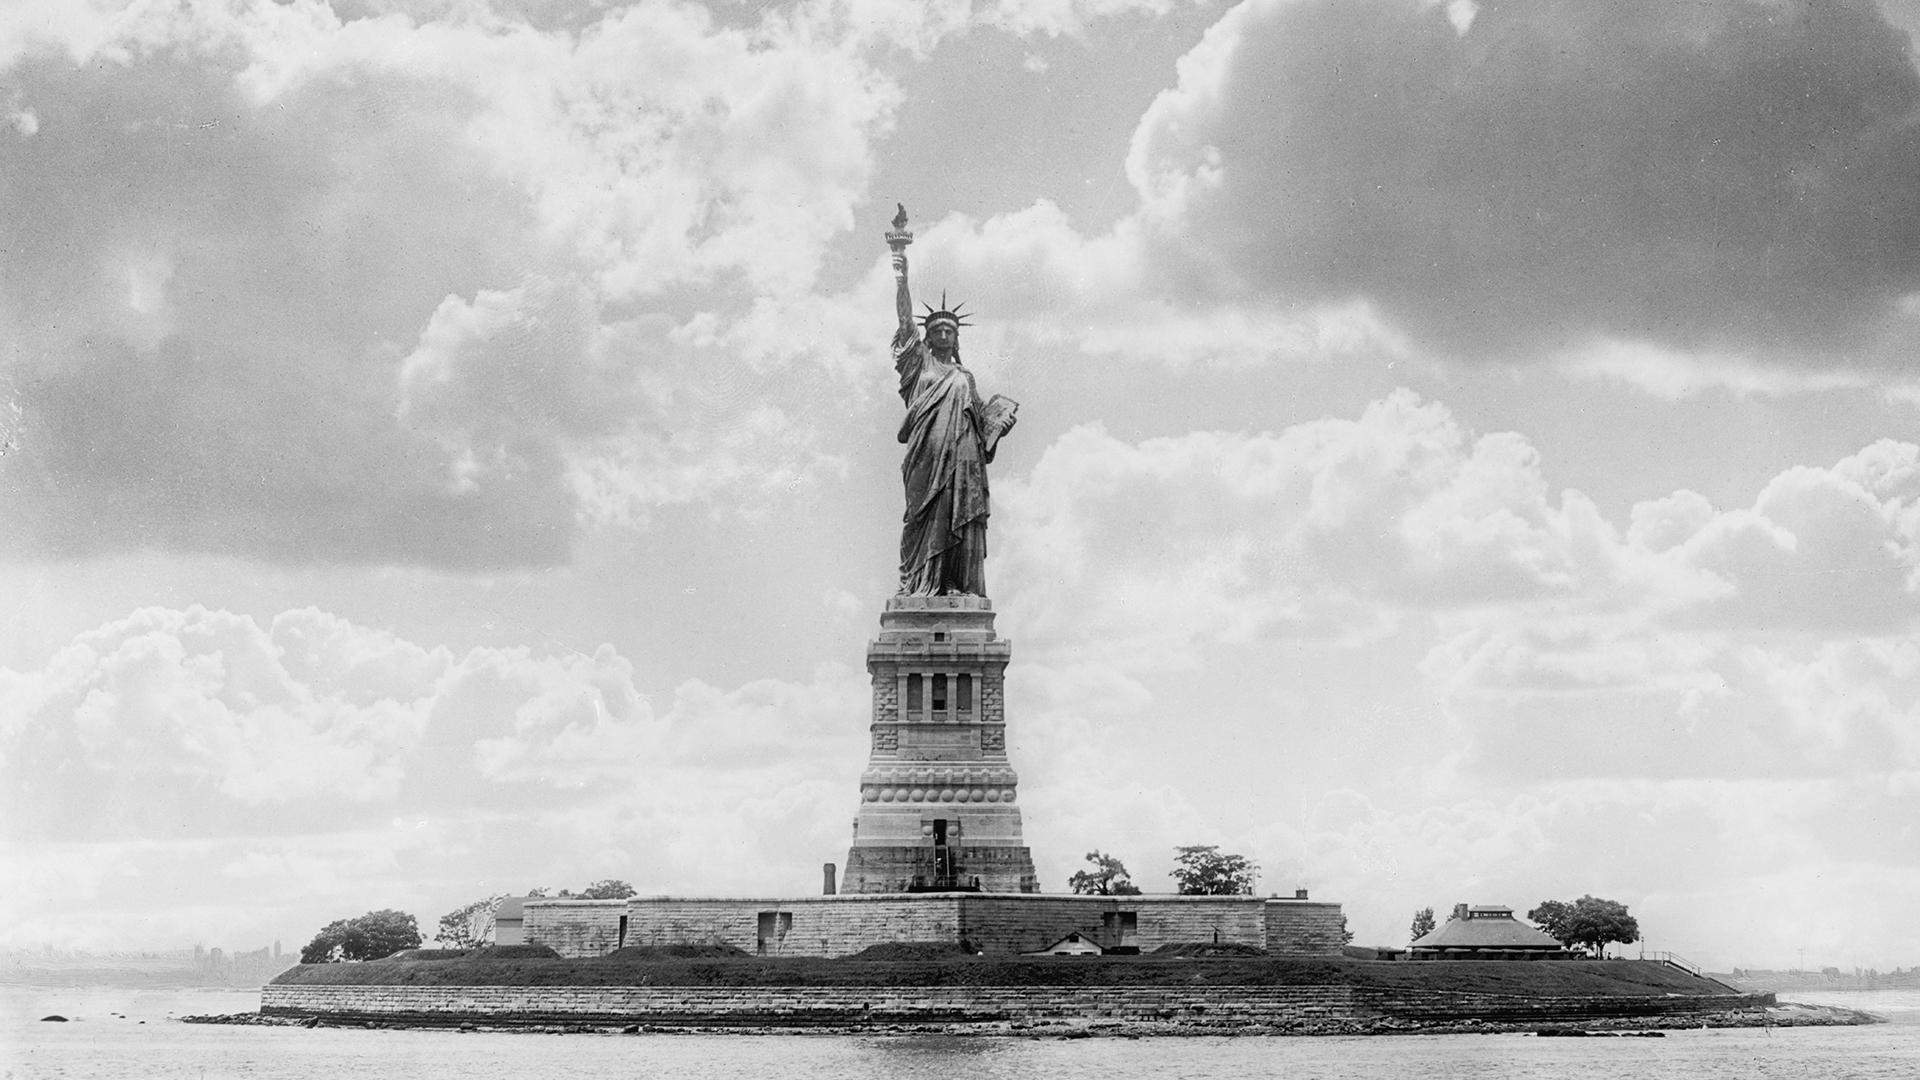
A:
(1672, 959)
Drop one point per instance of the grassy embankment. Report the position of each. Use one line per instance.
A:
(640, 967)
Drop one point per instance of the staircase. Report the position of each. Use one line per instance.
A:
(1672, 960)
(1675, 960)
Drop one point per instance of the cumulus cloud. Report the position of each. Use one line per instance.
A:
(229, 724)
(1125, 293)
(1731, 175)
(372, 289)
(1757, 640)
(1327, 528)
(1682, 199)
(308, 749)
(310, 720)
(920, 25)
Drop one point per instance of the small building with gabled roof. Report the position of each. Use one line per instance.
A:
(1074, 944)
(508, 921)
(1486, 932)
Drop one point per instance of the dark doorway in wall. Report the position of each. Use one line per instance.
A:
(771, 931)
(942, 855)
(1120, 931)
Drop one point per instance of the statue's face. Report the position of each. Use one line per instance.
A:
(942, 337)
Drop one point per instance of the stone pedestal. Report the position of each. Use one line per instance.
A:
(938, 800)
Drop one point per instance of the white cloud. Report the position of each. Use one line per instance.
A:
(1708, 687)
(920, 25)
(501, 219)
(1852, 702)
(196, 699)
(1460, 13)
(1056, 17)
(333, 764)
(1676, 375)
(1121, 294)
(1330, 527)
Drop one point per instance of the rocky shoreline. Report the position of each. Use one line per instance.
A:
(1784, 1015)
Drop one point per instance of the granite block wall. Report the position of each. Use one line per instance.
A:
(1442, 1005)
(817, 926)
(857, 1005)
(574, 927)
(1304, 928)
(803, 1006)
(1017, 924)
(997, 923)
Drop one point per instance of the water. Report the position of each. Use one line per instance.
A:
(98, 1044)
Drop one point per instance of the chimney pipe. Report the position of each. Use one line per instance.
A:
(826, 876)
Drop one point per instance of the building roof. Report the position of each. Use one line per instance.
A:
(1485, 928)
(510, 908)
(1079, 941)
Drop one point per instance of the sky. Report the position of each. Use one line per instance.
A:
(1468, 452)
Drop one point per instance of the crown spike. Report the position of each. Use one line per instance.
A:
(956, 314)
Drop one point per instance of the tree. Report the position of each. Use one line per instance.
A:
(1588, 923)
(1204, 870)
(1423, 923)
(604, 889)
(470, 926)
(1108, 877)
(1552, 916)
(369, 937)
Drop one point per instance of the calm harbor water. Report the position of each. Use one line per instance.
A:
(106, 1039)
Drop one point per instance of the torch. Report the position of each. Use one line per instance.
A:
(899, 236)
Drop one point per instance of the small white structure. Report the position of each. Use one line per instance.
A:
(1074, 944)
(507, 922)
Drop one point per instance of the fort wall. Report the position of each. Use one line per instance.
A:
(1304, 928)
(573, 927)
(807, 926)
(997, 924)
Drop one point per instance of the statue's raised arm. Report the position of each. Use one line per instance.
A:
(950, 435)
(898, 239)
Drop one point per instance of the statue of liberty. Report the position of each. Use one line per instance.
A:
(950, 436)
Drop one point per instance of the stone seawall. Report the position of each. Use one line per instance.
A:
(854, 1006)
(1443, 1006)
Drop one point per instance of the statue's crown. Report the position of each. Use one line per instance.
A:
(943, 314)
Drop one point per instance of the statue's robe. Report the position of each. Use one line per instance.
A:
(943, 536)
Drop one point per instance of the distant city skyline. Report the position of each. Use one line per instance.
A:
(1468, 452)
